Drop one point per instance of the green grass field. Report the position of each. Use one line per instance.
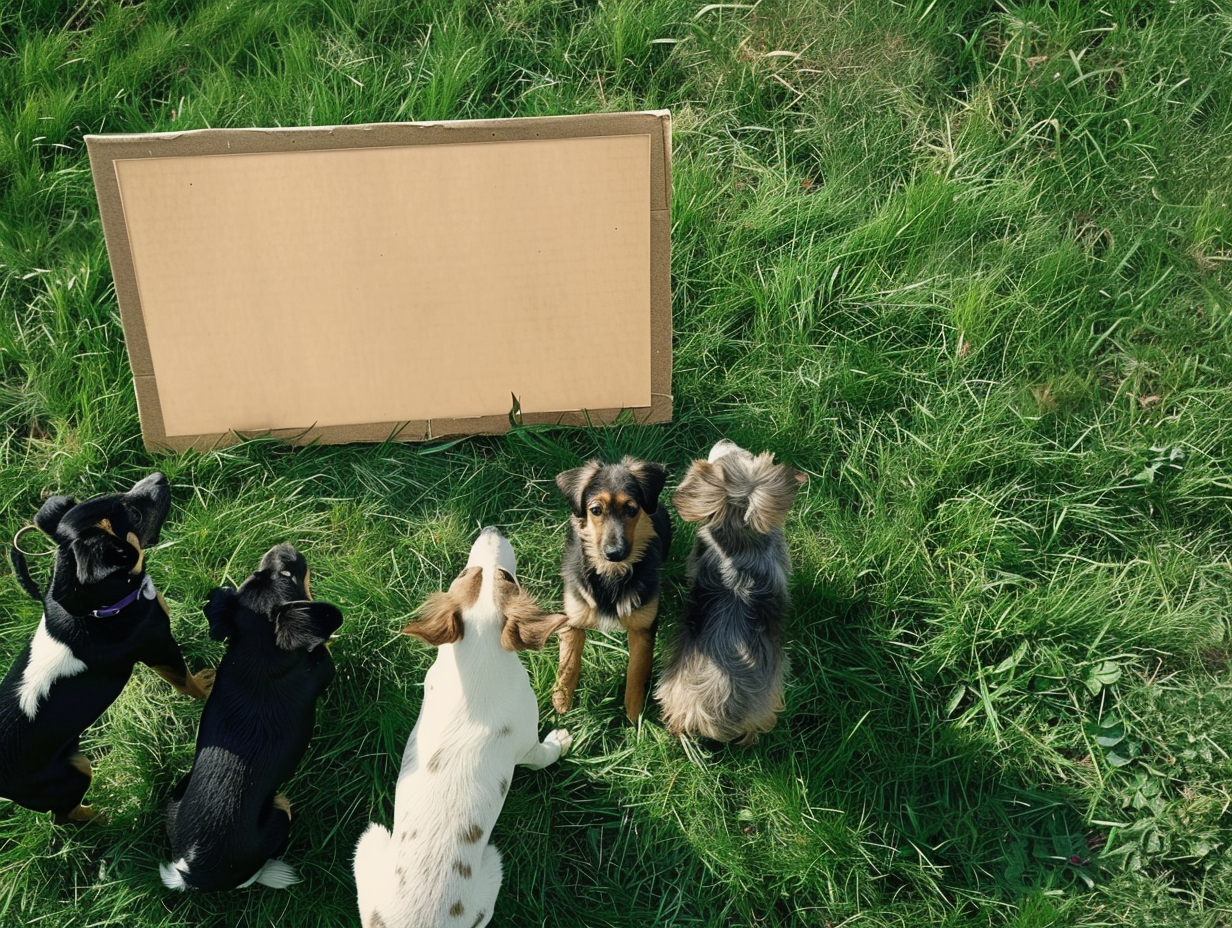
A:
(966, 263)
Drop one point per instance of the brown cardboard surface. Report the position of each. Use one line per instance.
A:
(392, 281)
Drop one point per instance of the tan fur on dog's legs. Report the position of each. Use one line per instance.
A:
(572, 640)
(641, 656)
(197, 685)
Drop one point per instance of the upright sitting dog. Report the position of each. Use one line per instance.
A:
(101, 614)
(225, 820)
(724, 679)
(618, 539)
(479, 718)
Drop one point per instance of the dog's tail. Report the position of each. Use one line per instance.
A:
(173, 876)
(275, 874)
(372, 865)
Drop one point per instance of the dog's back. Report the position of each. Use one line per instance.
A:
(724, 679)
(725, 676)
(478, 719)
(225, 819)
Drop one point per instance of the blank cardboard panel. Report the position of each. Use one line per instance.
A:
(393, 281)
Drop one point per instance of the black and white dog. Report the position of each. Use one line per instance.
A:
(101, 614)
(724, 679)
(225, 819)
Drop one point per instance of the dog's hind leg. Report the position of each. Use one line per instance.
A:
(62, 793)
(572, 640)
(487, 885)
(372, 872)
(275, 829)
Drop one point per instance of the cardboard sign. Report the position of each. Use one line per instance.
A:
(402, 281)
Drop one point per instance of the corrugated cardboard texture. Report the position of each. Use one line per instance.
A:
(391, 281)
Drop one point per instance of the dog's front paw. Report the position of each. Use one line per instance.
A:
(201, 684)
(561, 738)
(562, 701)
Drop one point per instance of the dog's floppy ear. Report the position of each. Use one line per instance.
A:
(440, 620)
(702, 494)
(573, 483)
(51, 512)
(527, 627)
(304, 624)
(650, 477)
(219, 611)
(774, 490)
(99, 554)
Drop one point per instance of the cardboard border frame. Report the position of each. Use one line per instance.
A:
(105, 150)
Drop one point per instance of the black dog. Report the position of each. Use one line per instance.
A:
(225, 820)
(618, 538)
(101, 614)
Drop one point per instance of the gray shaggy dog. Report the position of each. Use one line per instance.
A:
(725, 677)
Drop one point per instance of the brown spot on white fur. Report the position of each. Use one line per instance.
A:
(478, 919)
(457, 909)
(505, 730)
(463, 868)
(375, 921)
(434, 762)
(471, 834)
(504, 785)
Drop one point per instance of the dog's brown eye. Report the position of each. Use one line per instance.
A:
(596, 510)
(631, 509)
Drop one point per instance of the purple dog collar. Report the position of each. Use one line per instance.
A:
(146, 589)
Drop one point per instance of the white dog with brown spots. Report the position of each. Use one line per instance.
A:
(479, 719)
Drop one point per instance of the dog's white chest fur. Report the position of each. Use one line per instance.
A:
(50, 660)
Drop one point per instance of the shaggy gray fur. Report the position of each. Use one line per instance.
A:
(724, 679)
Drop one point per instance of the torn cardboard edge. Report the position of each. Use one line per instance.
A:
(109, 153)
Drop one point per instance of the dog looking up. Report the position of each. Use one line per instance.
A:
(101, 614)
(225, 820)
(478, 719)
(618, 540)
(724, 679)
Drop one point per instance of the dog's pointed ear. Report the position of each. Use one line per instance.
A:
(650, 478)
(50, 513)
(773, 492)
(99, 554)
(219, 611)
(701, 495)
(439, 622)
(527, 627)
(572, 484)
(304, 624)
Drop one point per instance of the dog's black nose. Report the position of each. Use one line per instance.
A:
(615, 554)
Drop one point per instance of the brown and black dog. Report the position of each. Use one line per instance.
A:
(618, 539)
